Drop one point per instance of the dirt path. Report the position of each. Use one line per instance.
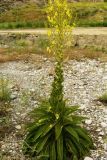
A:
(77, 31)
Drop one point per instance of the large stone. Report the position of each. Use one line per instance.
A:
(88, 158)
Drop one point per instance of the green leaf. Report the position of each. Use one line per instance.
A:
(72, 132)
(82, 133)
(78, 118)
(42, 143)
(75, 157)
(58, 130)
(32, 127)
(47, 129)
(78, 146)
(71, 109)
(52, 151)
(42, 157)
(71, 147)
(64, 156)
(60, 147)
(39, 132)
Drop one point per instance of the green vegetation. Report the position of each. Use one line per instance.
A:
(31, 16)
(90, 14)
(5, 94)
(30, 24)
(5, 97)
(23, 46)
(55, 131)
(25, 16)
(5, 120)
(103, 98)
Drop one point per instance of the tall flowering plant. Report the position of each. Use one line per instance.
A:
(55, 132)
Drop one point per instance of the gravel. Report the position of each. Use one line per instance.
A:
(30, 82)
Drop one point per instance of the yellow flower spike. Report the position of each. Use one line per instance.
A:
(40, 121)
(57, 116)
(49, 33)
(49, 108)
(48, 18)
(50, 126)
(68, 13)
(53, 42)
(48, 50)
(56, 14)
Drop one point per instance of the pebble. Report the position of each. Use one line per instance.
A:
(13, 96)
(101, 133)
(18, 127)
(88, 158)
(88, 121)
(103, 124)
(105, 146)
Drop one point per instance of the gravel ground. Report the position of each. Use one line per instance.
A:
(84, 82)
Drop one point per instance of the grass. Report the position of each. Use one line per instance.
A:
(90, 14)
(31, 16)
(5, 98)
(21, 24)
(5, 120)
(23, 49)
(5, 94)
(103, 98)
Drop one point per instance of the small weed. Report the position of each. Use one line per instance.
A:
(21, 43)
(103, 98)
(1, 155)
(5, 94)
(42, 44)
(25, 98)
(5, 120)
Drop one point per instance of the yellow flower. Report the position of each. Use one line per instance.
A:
(49, 33)
(57, 116)
(40, 121)
(50, 125)
(68, 13)
(48, 50)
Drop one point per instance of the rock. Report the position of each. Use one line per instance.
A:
(45, 59)
(104, 125)
(88, 121)
(13, 96)
(18, 113)
(18, 127)
(105, 146)
(88, 158)
(106, 111)
(101, 133)
(98, 130)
